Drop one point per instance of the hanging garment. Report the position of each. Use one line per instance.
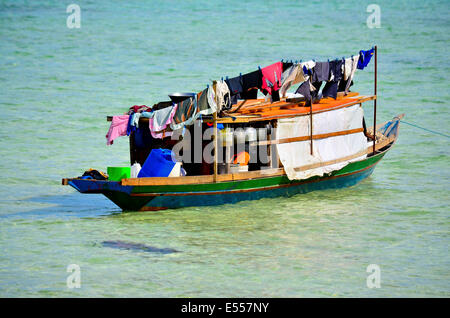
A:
(307, 89)
(203, 107)
(160, 120)
(349, 65)
(271, 77)
(251, 82)
(185, 113)
(212, 100)
(118, 128)
(138, 109)
(331, 87)
(295, 155)
(307, 66)
(287, 65)
(364, 58)
(223, 96)
(350, 79)
(235, 87)
(135, 120)
(321, 72)
(292, 75)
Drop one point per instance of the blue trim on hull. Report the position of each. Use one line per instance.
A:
(172, 202)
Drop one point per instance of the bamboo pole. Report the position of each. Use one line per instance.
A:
(375, 104)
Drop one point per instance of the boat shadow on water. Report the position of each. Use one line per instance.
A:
(139, 247)
(64, 206)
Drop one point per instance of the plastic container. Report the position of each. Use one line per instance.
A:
(118, 173)
(236, 168)
(159, 163)
(134, 171)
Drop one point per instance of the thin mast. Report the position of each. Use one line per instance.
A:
(375, 104)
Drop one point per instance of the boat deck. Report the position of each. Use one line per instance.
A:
(252, 110)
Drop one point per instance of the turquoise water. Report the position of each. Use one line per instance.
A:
(57, 85)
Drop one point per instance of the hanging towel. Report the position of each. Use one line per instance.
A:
(354, 64)
(212, 100)
(160, 120)
(118, 128)
(292, 75)
(204, 106)
(185, 113)
(223, 96)
(271, 77)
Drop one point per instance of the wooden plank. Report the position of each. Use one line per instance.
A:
(202, 179)
(304, 138)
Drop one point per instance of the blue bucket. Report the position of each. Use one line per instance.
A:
(159, 163)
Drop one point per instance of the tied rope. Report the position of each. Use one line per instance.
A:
(426, 129)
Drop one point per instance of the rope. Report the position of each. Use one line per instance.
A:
(426, 129)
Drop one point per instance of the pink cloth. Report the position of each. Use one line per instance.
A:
(273, 74)
(118, 128)
(158, 129)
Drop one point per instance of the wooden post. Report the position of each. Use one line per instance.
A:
(311, 125)
(216, 147)
(375, 104)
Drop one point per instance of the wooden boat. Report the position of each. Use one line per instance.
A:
(157, 193)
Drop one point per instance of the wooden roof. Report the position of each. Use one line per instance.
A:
(259, 110)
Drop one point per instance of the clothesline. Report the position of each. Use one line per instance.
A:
(273, 81)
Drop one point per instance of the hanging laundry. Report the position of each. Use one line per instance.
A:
(251, 82)
(271, 77)
(331, 87)
(118, 128)
(305, 89)
(287, 65)
(222, 95)
(364, 58)
(203, 105)
(321, 72)
(349, 67)
(212, 99)
(160, 120)
(292, 75)
(135, 119)
(307, 66)
(185, 113)
(235, 87)
(137, 109)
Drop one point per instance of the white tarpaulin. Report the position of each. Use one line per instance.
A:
(297, 154)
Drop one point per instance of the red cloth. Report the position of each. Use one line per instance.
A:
(273, 74)
(137, 108)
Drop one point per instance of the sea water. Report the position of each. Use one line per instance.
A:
(59, 82)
